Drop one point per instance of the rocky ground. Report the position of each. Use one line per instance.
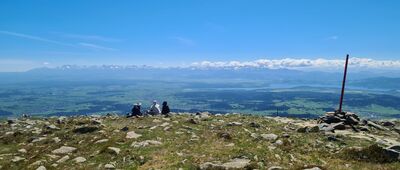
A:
(202, 141)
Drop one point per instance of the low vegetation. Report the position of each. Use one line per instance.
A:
(188, 141)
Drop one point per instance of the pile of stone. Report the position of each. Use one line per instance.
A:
(339, 121)
(346, 120)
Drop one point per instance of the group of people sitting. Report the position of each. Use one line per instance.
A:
(154, 110)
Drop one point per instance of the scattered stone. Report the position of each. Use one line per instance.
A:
(85, 129)
(64, 150)
(22, 150)
(254, 125)
(332, 138)
(164, 124)
(339, 126)
(35, 163)
(17, 159)
(145, 143)
(34, 140)
(41, 168)
(302, 129)
(234, 124)
(114, 150)
(363, 128)
(233, 164)
(63, 159)
(10, 121)
(285, 135)
(236, 164)
(203, 115)
(374, 153)
(101, 141)
(269, 137)
(52, 127)
(132, 135)
(230, 145)
(388, 123)
(156, 121)
(275, 168)
(109, 166)
(394, 147)
(313, 129)
(167, 128)
(96, 122)
(278, 142)
(124, 129)
(192, 121)
(79, 159)
(254, 135)
(376, 126)
(56, 139)
(313, 168)
(225, 136)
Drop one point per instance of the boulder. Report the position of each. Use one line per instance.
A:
(17, 159)
(109, 166)
(313, 168)
(233, 164)
(52, 127)
(145, 143)
(114, 150)
(269, 137)
(41, 168)
(313, 129)
(302, 129)
(388, 123)
(236, 164)
(275, 168)
(132, 135)
(331, 119)
(79, 159)
(64, 150)
(234, 124)
(254, 125)
(63, 159)
(338, 126)
(376, 126)
(192, 121)
(225, 135)
(101, 141)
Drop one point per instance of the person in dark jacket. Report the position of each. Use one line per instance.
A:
(165, 108)
(136, 110)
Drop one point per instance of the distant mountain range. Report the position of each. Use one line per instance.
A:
(225, 74)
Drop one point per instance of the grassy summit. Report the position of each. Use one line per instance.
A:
(189, 142)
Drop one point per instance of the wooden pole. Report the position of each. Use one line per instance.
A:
(343, 84)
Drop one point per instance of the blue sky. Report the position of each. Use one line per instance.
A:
(49, 33)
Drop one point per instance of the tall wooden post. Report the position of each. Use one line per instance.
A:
(343, 84)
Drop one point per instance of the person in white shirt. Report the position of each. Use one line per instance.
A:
(155, 108)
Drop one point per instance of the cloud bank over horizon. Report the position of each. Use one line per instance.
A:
(291, 63)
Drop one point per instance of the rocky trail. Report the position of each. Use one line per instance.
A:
(199, 141)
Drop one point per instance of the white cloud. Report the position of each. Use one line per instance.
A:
(290, 63)
(96, 47)
(31, 37)
(36, 38)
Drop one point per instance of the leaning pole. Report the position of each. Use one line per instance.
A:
(343, 84)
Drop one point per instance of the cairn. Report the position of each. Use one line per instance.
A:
(339, 121)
